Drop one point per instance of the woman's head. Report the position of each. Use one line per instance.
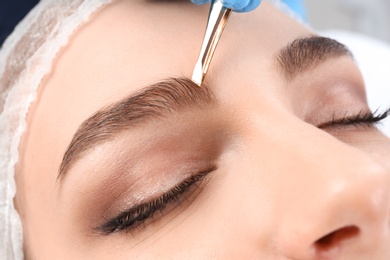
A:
(124, 157)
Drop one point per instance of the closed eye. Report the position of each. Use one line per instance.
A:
(138, 214)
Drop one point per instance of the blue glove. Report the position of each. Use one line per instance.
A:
(236, 5)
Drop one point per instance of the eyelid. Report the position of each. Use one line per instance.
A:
(137, 214)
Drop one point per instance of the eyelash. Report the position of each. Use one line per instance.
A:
(130, 219)
(363, 118)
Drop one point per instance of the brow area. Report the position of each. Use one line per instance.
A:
(152, 102)
(306, 53)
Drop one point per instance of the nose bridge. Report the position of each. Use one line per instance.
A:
(333, 193)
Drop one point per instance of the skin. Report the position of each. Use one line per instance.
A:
(280, 184)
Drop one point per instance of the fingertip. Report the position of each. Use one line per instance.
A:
(240, 6)
(235, 4)
(253, 4)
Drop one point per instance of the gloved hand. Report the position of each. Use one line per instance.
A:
(236, 5)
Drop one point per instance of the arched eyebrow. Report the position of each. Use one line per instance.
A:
(306, 53)
(152, 102)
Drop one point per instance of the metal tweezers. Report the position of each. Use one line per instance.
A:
(217, 20)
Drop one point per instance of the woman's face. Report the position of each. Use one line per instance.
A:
(273, 158)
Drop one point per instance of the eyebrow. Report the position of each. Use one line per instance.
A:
(305, 53)
(152, 102)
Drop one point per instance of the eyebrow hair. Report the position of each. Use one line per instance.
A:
(306, 53)
(152, 102)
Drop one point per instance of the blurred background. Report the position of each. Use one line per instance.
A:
(370, 17)
(11, 12)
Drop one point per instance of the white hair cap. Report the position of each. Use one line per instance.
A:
(25, 59)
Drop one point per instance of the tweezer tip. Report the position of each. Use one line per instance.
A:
(198, 76)
(197, 81)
